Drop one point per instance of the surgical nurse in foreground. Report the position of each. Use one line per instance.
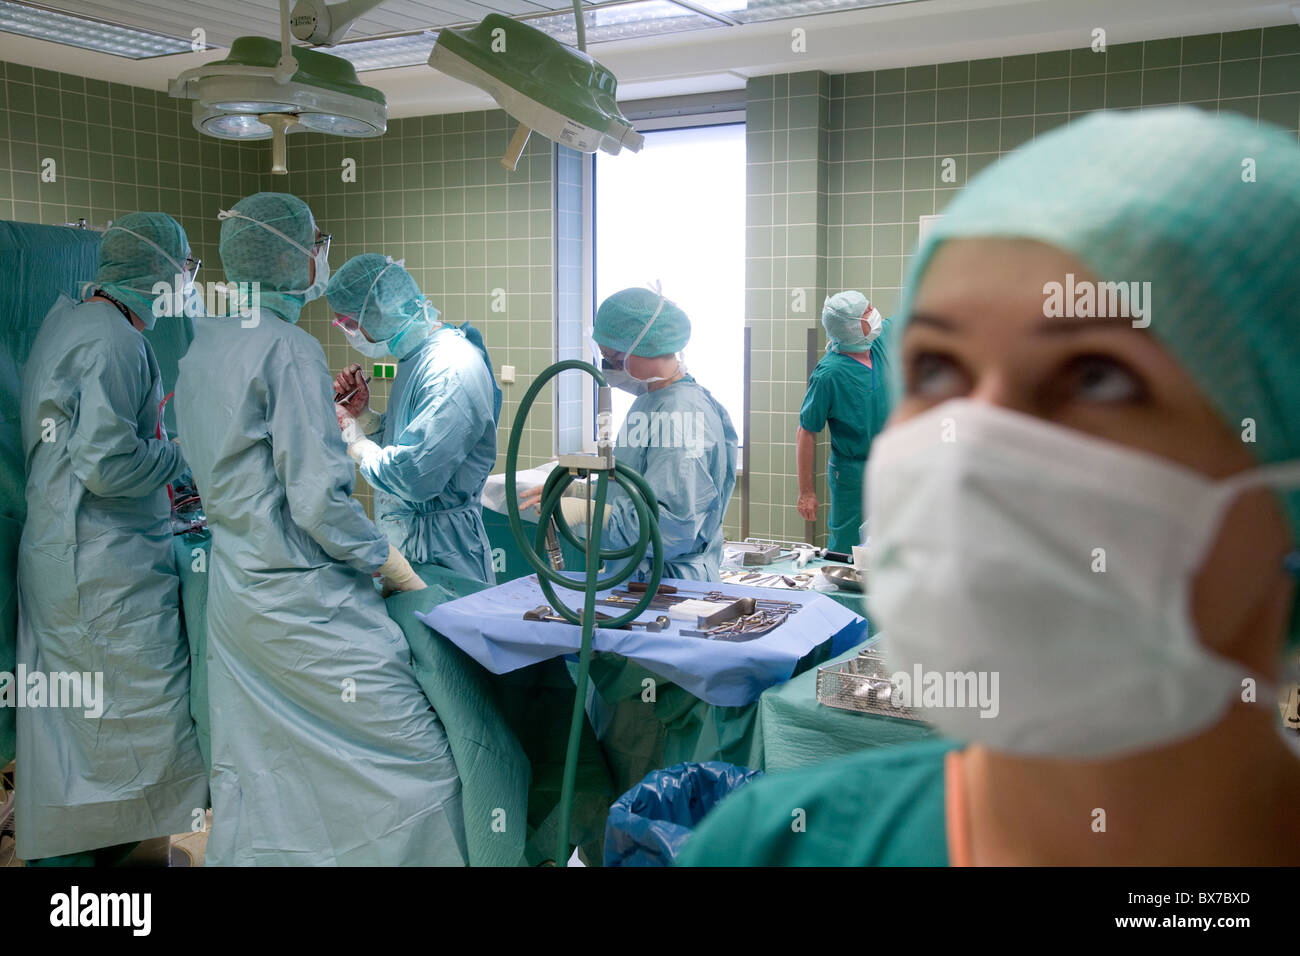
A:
(325, 751)
(1094, 500)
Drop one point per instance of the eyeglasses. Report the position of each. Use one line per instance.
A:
(192, 265)
(349, 324)
(323, 240)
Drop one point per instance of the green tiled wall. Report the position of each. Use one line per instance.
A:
(787, 141)
(477, 239)
(882, 137)
(431, 191)
(116, 149)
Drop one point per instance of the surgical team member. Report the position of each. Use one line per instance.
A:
(1095, 502)
(848, 391)
(676, 435)
(97, 582)
(324, 748)
(438, 441)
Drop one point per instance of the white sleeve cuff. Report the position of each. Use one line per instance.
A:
(361, 449)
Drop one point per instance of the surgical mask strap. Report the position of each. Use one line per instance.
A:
(431, 313)
(145, 239)
(657, 287)
(1282, 474)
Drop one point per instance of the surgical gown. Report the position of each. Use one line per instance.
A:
(882, 807)
(99, 595)
(854, 401)
(324, 748)
(439, 445)
(682, 442)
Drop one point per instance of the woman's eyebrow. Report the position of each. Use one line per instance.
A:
(1070, 326)
(934, 321)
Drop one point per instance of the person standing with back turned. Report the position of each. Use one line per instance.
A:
(848, 392)
(325, 751)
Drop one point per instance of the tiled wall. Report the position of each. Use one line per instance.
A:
(476, 238)
(883, 137)
(787, 142)
(116, 149)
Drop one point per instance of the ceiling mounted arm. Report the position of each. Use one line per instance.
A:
(322, 24)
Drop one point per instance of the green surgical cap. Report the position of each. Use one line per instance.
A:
(622, 316)
(129, 266)
(842, 318)
(250, 253)
(384, 307)
(1206, 208)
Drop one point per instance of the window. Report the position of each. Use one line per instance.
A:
(675, 212)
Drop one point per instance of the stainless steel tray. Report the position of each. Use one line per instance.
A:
(844, 578)
(861, 684)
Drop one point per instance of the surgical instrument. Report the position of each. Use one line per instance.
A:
(743, 628)
(340, 401)
(707, 596)
(543, 613)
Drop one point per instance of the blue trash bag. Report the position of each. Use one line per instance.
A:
(648, 825)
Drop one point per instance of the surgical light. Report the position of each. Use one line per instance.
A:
(264, 89)
(561, 92)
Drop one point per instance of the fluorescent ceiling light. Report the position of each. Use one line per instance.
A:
(411, 49)
(753, 11)
(623, 21)
(87, 34)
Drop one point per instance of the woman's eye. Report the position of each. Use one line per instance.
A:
(1098, 378)
(933, 375)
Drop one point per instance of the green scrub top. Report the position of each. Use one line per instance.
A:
(854, 401)
(876, 808)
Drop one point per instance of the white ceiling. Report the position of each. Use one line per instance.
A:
(908, 34)
(226, 19)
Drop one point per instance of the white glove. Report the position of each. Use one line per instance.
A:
(361, 449)
(356, 429)
(575, 511)
(397, 575)
(369, 422)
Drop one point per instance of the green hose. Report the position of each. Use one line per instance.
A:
(647, 511)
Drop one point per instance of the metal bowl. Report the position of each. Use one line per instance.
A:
(844, 578)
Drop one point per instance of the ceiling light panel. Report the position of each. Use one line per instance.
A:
(754, 11)
(411, 49)
(624, 21)
(55, 27)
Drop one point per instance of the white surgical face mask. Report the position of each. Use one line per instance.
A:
(625, 380)
(374, 350)
(1003, 544)
(321, 256)
(874, 323)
